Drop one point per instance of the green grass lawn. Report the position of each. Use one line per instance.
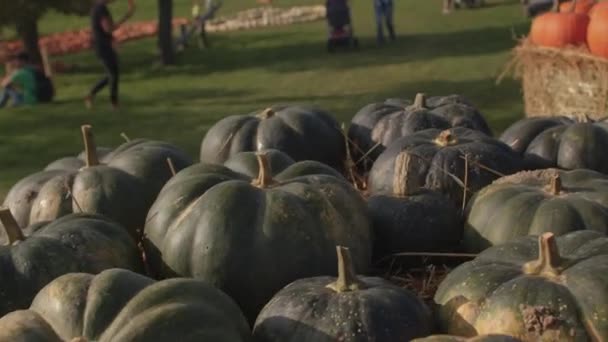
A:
(460, 53)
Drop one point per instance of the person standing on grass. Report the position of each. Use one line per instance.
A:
(384, 15)
(102, 27)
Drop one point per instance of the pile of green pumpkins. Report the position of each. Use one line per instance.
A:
(276, 234)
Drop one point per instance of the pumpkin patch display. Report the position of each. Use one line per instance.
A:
(303, 133)
(95, 188)
(74, 243)
(484, 338)
(560, 29)
(423, 221)
(560, 142)
(444, 161)
(252, 236)
(534, 202)
(347, 308)
(121, 306)
(543, 288)
(378, 125)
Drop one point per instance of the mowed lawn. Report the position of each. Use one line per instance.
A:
(247, 70)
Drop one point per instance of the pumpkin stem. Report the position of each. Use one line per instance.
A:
(549, 260)
(420, 101)
(556, 185)
(347, 278)
(403, 181)
(584, 118)
(171, 166)
(125, 136)
(89, 145)
(13, 231)
(445, 138)
(267, 113)
(264, 179)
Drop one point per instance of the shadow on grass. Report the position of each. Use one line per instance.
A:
(270, 51)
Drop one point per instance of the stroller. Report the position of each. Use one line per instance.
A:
(340, 28)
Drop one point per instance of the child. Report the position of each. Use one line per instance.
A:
(19, 86)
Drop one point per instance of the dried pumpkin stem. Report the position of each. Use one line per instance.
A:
(403, 181)
(549, 261)
(265, 173)
(445, 138)
(556, 185)
(89, 145)
(13, 231)
(171, 166)
(347, 278)
(420, 101)
(267, 113)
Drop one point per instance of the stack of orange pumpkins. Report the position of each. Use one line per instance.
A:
(574, 23)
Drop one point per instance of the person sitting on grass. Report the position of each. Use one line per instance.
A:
(19, 86)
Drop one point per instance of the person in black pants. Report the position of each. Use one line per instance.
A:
(102, 27)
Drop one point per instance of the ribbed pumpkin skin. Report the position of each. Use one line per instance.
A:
(74, 243)
(435, 163)
(582, 6)
(121, 306)
(553, 29)
(75, 163)
(523, 204)
(597, 32)
(598, 9)
(210, 222)
(377, 125)
(101, 189)
(303, 133)
(423, 222)
(559, 142)
(485, 338)
(147, 160)
(496, 293)
(306, 310)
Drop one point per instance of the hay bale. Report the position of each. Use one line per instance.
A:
(567, 81)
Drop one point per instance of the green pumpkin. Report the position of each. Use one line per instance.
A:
(485, 338)
(534, 202)
(147, 161)
(441, 159)
(73, 243)
(95, 188)
(122, 306)
(75, 163)
(378, 125)
(560, 142)
(423, 221)
(252, 236)
(534, 288)
(302, 132)
(347, 308)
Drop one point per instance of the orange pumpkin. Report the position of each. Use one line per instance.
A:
(582, 6)
(599, 7)
(597, 32)
(559, 29)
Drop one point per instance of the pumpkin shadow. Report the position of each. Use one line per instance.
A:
(274, 329)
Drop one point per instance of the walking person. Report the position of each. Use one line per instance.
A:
(102, 28)
(384, 16)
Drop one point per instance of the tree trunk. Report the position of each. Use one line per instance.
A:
(27, 28)
(165, 31)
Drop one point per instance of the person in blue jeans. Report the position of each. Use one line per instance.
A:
(384, 15)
